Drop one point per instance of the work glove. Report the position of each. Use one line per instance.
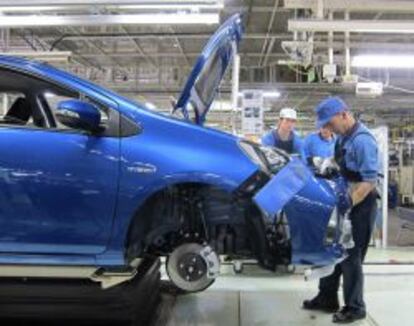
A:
(325, 167)
(344, 200)
(344, 204)
(329, 168)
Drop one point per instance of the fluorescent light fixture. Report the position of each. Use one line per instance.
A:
(28, 8)
(271, 94)
(189, 5)
(166, 6)
(109, 19)
(383, 61)
(267, 94)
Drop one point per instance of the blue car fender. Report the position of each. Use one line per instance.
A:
(308, 203)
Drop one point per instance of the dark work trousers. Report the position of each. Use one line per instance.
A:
(362, 219)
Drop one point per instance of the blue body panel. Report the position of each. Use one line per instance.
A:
(308, 214)
(212, 62)
(184, 153)
(58, 191)
(282, 187)
(308, 203)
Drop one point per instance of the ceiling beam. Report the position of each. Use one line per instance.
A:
(162, 35)
(171, 55)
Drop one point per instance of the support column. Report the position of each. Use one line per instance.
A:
(235, 88)
(330, 41)
(347, 49)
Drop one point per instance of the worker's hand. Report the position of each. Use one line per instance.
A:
(325, 167)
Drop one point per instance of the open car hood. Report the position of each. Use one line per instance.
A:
(203, 83)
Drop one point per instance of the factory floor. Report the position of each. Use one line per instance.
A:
(261, 298)
(406, 238)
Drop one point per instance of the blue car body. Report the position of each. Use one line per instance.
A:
(70, 197)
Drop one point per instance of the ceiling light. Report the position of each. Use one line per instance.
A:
(267, 94)
(164, 5)
(271, 94)
(170, 6)
(98, 20)
(28, 8)
(383, 61)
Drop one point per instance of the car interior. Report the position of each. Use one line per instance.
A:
(32, 102)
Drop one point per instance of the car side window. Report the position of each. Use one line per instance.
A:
(27, 101)
(15, 109)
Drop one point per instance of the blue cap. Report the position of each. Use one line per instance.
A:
(327, 109)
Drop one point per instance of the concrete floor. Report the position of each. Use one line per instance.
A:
(261, 298)
(406, 238)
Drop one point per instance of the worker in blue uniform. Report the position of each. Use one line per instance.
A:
(356, 154)
(284, 136)
(318, 144)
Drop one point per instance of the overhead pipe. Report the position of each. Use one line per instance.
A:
(151, 35)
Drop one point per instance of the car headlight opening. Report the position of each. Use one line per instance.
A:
(268, 159)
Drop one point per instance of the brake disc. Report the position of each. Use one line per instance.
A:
(193, 267)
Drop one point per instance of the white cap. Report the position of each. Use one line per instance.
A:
(288, 113)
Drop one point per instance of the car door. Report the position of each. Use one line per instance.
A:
(58, 189)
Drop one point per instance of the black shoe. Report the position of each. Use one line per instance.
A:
(323, 303)
(348, 315)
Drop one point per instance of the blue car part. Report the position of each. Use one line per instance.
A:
(282, 187)
(78, 115)
(308, 203)
(204, 80)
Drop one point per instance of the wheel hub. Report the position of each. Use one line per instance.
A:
(191, 267)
